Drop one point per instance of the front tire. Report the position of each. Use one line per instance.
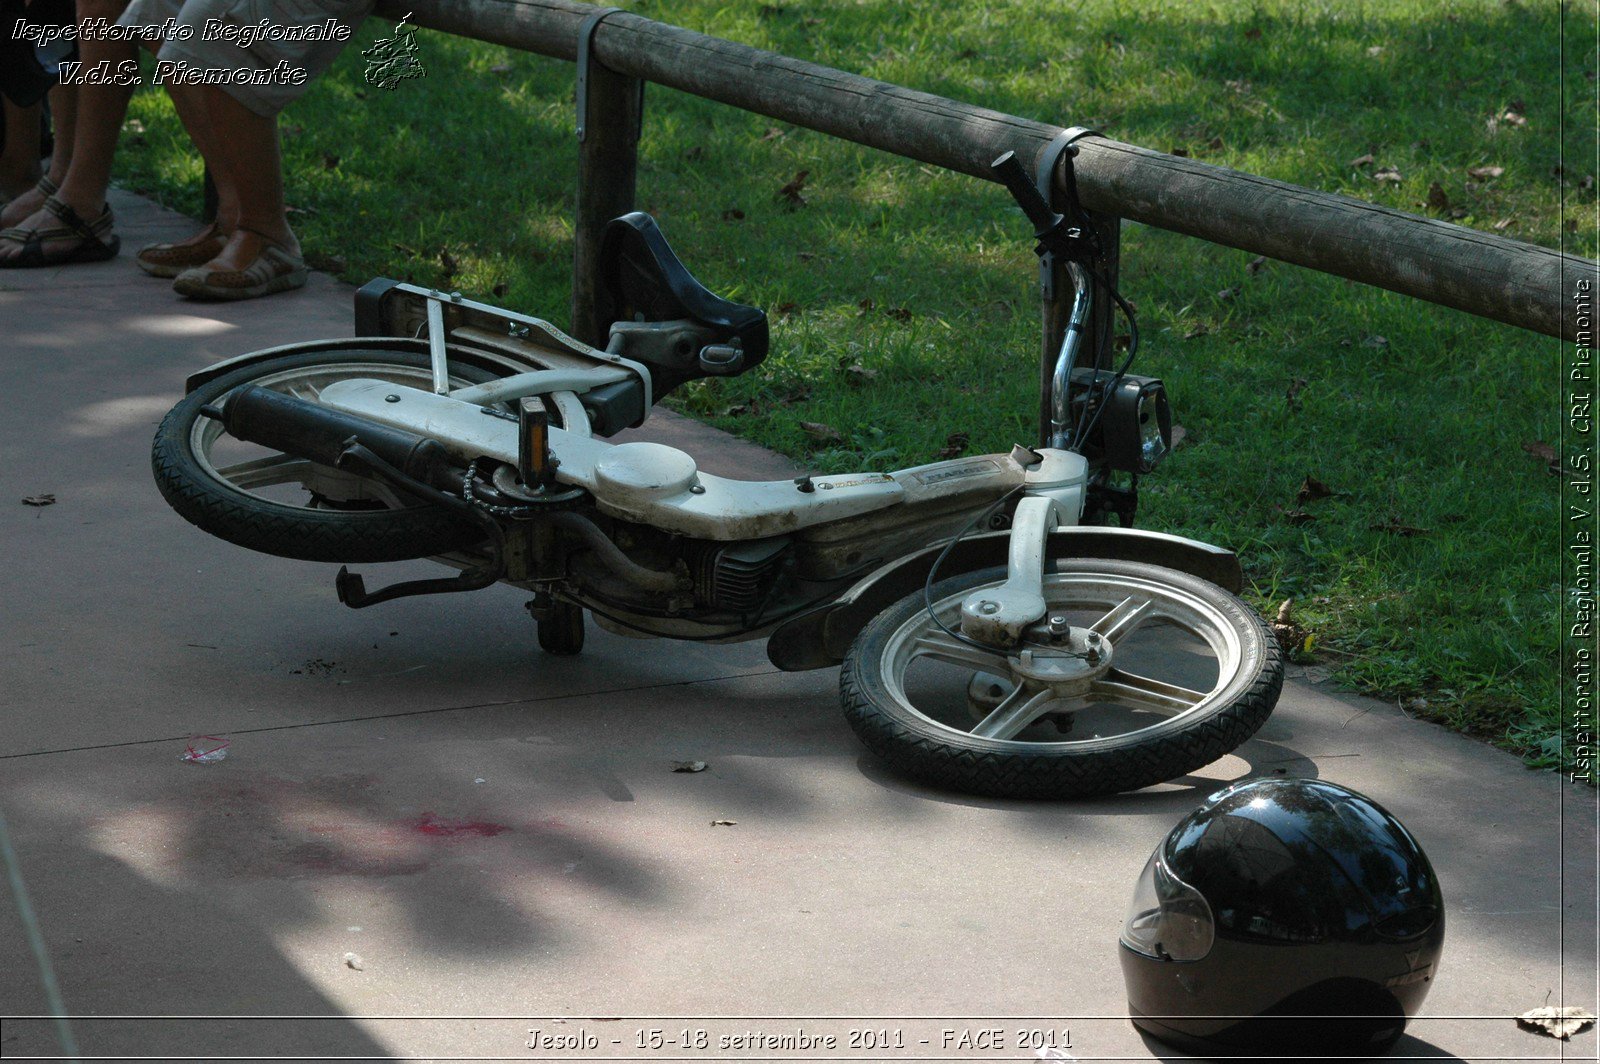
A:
(1192, 673)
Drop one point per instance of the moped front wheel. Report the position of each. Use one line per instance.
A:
(280, 504)
(1145, 675)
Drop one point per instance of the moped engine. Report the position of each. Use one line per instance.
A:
(736, 577)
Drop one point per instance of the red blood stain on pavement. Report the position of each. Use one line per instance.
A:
(431, 824)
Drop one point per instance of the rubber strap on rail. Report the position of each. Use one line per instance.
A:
(585, 57)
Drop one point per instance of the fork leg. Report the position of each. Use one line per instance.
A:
(996, 616)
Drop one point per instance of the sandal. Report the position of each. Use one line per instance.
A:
(275, 270)
(96, 242)
(169, 260)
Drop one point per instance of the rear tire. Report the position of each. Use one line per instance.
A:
(370, 523)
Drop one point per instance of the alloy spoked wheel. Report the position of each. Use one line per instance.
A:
(285, 505)
(1136, 675)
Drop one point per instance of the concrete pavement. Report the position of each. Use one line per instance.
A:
(496, 836)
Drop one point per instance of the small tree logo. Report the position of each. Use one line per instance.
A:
(394, 59)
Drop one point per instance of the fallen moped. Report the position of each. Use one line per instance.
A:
(995, 635)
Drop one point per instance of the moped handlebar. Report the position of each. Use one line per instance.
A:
(1011, 174)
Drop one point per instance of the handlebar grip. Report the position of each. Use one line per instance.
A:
(1015, 178)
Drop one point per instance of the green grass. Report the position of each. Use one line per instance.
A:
(925, 278)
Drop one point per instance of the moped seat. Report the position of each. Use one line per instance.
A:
(642, 279)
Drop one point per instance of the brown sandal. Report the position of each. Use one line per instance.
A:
(169, 260)
(274, 270)
(96, 242)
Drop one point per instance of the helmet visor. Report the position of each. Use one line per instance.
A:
(1168, 920)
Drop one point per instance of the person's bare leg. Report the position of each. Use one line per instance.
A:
(194, 112)
(247, 158)
(64, 116)
(100, 112)
(19, 158)
(64, 113)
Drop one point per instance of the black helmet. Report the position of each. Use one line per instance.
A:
(1284, 917)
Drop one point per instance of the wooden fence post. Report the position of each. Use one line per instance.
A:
(610, 108)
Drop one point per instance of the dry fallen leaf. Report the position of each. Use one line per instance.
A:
(1312, 488)
(772, 133)
(330, 162)
(955, 445)
(866, 305)
(1199, 328)
(448, 262)
(1389, 174)
(1504, 223)
(689, 766)
(1253, 33)
(1215, 144)
(500, 68)
(856, 374)
(1375, 51)
(500, 289)
(1559, 1023)
(1485, 173)
(821, 433)
(1394, 527)
(1375, 341)
(899, 314)
(790, 193)
(1362, 160)
(1540, 449)
(1437, 200)
(1290, 636)
(733, 214)
(786, 310)
(45, 499)
(1514, 118)
(1292, 395)
(1227, 294)
(1299, 517)
(1546, 453)
(1255, 264)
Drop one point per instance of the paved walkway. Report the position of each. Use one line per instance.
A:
(496, 833)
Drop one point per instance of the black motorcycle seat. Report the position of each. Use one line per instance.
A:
(642, 279)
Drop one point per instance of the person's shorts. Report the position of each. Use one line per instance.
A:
(245, 65)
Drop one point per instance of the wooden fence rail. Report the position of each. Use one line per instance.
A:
(1482, 273)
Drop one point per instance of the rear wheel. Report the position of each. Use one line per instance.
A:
(279, 504)
(1150, 674)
